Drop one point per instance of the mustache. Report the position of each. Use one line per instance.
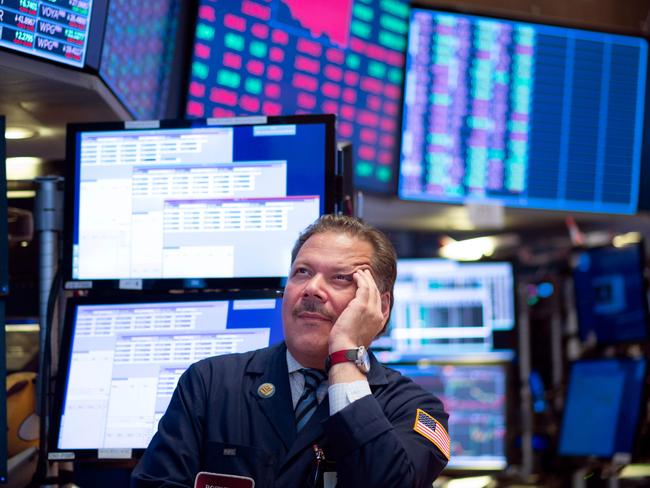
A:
(311, 306)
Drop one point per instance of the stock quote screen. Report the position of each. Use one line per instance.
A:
(122, 360)
(446, 307)
(475, 394)
(287, 56)
(56, 30)
(523, 114)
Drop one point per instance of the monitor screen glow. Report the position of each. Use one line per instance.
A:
(447, 307)
(475, 397)
(122, 361)
(602, 407)
(610, 294)
(137, 54)
(521, 114)
(344, 57)
(222, 201)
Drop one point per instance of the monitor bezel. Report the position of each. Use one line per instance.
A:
(507, 364)
(4, 231)
(582, 459)
(643, 197)
(72, 205)
(640, 245)
(65, 355)
(99, 17)
(4, 290)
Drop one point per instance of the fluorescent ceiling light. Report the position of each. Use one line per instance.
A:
(17, 132)
(468, 250)
(23, 168)
(476, 248)
(626, 239)
(21, 194)
(471, 482)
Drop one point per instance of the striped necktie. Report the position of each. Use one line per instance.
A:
(308, 401)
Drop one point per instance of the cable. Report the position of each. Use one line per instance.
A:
(40, 475)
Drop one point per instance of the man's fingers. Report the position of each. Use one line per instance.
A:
(367, 294)
(374, 296)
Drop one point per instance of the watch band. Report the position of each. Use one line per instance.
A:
(343, 356)
(349, 355)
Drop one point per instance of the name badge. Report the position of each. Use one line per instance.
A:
(219, 480)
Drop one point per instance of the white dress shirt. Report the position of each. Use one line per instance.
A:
(340, 395)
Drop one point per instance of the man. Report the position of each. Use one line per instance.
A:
(360, 428)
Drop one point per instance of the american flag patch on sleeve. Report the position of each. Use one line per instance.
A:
(433, 430)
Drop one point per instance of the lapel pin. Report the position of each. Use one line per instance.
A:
(266, 390)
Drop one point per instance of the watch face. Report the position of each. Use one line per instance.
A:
(363, 360)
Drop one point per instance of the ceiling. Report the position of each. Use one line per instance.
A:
(44, 97)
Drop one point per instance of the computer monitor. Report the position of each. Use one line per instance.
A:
(475, 396)
(522, 114)
(448, 307)
(138, 62)
(610, 294)
(68, 32)
(317, 56)
(121, 361)
(202, 203)
(602, 407)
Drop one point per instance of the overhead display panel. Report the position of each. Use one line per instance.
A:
(137, 53)
(55, 30)
(521, 114)
(286, 56)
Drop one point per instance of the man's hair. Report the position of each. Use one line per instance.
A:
(384, 260)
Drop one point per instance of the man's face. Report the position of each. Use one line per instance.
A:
(319, 287)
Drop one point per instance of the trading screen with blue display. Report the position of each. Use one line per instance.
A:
(196, 201)
(124, 361)
(475, 394)
(610, 294)
(523, 114)
(602, 407)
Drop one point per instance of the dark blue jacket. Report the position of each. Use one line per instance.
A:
(218, 422)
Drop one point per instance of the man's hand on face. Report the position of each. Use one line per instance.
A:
(363, 317)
